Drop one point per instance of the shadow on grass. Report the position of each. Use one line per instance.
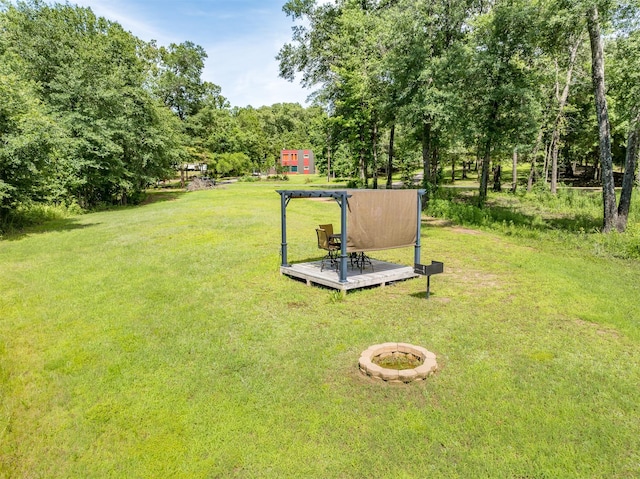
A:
(311, 259)
(576, 223)
(66, 224)
(45, 221)
(421, 295)
(159, 196)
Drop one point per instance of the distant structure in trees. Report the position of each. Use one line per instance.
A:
(297, 162)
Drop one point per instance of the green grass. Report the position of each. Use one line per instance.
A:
(572, 217)
(161, 341)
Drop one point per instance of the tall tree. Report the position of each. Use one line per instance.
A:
(561, 99)
(424, 61)
(179, 83)
(625, 65)
(602, 112)
(341, 51)
(498, 84)
(30, 139)
(92, 77)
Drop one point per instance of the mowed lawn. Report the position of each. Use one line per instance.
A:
(161, 341)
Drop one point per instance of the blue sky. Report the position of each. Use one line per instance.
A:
(241, 38)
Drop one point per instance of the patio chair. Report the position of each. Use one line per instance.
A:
(331, 248)
(329, 230)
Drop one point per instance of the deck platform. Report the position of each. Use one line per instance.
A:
(379, 273)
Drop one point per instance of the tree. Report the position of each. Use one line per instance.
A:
(614, 217)
(178, 83)
(231, 164)
(602, 112)
(424, 62)
(30, 143)
(498, 85)
(341, 51)
(625, 68)
(92, 77)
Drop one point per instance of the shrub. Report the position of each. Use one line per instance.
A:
(36, 213)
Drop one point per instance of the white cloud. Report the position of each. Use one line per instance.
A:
(247, 71)
(126, 15)
(242, 63)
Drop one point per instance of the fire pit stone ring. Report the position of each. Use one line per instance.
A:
(369, 357)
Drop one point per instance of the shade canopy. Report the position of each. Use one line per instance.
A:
(376, 220)
(381, 219)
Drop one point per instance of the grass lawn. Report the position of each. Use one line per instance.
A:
(161, 341)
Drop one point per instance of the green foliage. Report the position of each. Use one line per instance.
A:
(35, 214)
(31, 144)
(249, 179)
(259, 134)
(178, 82)
(481, 78)
(111, 138)
(570, 217)
(231, 164)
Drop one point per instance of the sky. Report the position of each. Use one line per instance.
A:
(241, 38)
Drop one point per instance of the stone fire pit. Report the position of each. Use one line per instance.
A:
(425, 362)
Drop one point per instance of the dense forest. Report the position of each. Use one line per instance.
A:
(90, 115)
(443, 82)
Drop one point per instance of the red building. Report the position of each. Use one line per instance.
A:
(297, 162)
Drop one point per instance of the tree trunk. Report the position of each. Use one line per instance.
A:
(547, 156)
(435, 163)
(554, 160)
(392, 134)
(329, 164)
(514, 171)
(484, 180)
(562, 101)
(426, 155)
(532, 175)
(453, 169)
(604, 130)
(497, 180)
(363, 161)
(534, 154)
(374, 148)
(484, 175)
(631, 163)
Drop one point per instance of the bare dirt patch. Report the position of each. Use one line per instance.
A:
(599, 329)
(431, 221)
(475, 279)
(444, 223)
(465, 231)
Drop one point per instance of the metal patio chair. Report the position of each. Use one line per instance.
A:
(330, 247)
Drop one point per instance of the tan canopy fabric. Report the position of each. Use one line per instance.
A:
(381, 219)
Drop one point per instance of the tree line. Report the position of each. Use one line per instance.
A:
(92, 115)
(418, 84)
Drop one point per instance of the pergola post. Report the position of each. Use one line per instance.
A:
(283, 219)
(343, 236)
(417, 248)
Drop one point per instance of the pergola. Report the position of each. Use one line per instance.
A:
(359, 241)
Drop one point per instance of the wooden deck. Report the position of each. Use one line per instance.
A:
(380, 273)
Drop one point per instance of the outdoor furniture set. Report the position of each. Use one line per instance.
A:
(330, 242)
